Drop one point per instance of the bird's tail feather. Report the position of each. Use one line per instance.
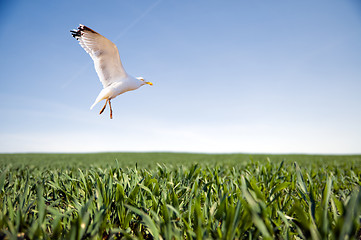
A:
(102, 95)
(95, 103)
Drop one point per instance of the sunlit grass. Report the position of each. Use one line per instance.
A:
(179, 196)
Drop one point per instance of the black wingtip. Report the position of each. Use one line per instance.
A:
(81, 29)
(75, 34)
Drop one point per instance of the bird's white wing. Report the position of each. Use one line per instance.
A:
(103, 52)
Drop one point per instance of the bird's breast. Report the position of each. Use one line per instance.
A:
(118, 88)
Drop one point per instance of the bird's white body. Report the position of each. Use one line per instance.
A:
(126, 84)
(107, 64)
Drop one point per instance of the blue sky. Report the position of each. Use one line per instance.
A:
(229, 76)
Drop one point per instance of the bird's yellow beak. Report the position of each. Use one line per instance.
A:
(151, 84)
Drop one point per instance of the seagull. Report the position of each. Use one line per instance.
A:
(108, 66)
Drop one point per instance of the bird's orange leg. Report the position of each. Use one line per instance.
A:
(111, 110)
(101, 111)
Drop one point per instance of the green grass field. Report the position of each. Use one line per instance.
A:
(179, 196)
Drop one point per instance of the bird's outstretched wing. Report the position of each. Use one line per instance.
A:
(103, 52)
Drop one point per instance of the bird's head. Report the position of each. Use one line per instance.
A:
(144, 82)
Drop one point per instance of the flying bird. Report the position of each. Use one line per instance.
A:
(108, 66)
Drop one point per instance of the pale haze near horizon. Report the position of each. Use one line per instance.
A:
(230, 76)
